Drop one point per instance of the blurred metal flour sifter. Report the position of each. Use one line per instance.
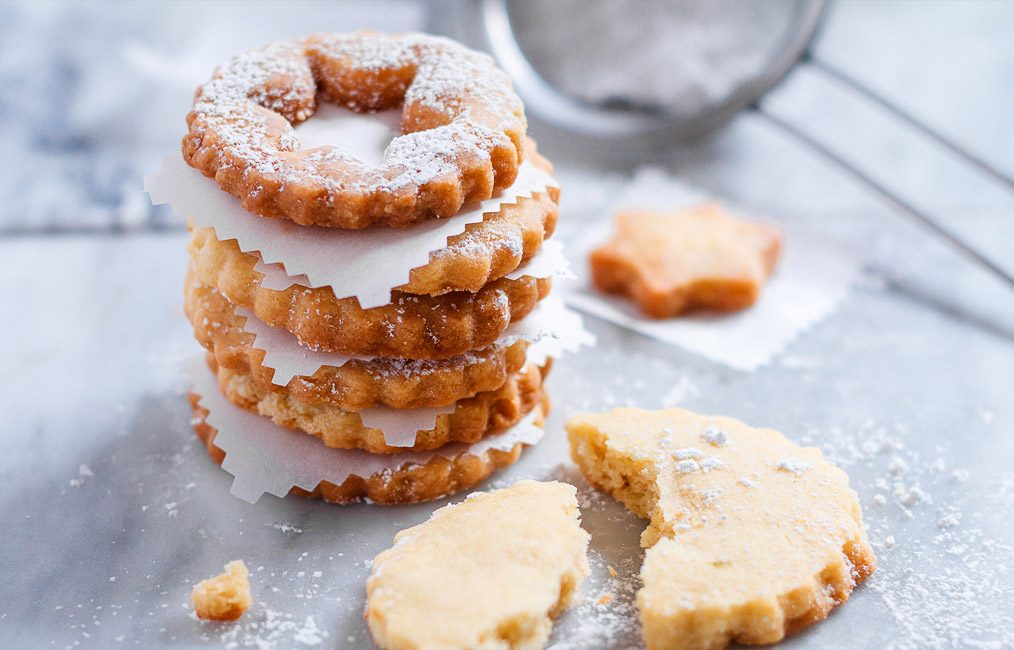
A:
(636, 73)
(630, 76)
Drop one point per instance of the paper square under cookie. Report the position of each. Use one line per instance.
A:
(266, 458)
(365, 264)
(551, 328)
(813, 276)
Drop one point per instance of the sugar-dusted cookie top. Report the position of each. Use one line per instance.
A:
(462, 128)
(697, 258)
(750, 536)
(489, 572)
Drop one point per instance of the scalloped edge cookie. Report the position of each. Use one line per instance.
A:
(356, 384)
(487, 250)
(411, 483)
(490, 249)
(472, 419)
(750, 537)
(462, 129)
(410, 327)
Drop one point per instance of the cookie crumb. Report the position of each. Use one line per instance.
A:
(612, 571)
(605, 599)
(226, 596)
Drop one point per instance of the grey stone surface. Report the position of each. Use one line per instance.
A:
(110, 509)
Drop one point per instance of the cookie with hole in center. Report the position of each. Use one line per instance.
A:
(750, 537)
(462, 129)
(355, 384)
(409, 477)
(410, 326)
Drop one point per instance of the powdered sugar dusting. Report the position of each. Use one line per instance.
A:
(688, 466)
(933, 588)
(268, 628)
(711, 463)
(468, 104)
(715, 437)
(793, 465)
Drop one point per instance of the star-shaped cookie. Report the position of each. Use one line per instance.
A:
(698, 258)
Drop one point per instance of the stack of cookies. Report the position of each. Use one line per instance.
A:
(417, 397)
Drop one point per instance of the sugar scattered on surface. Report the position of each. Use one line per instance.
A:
(682, 391)
(945, 570)
(933, 588)
(711, 463)
(268, 628)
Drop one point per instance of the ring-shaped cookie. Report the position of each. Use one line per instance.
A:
(358, 383)
(410, 483)
(471, 419)
(462, 129)
(410, 327)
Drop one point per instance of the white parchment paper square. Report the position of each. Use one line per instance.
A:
(552, 329)
(812, 277)
(365, 264)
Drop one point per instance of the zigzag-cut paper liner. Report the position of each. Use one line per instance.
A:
(549, 262)
(365, 264)
(552, 328)
(266, 458)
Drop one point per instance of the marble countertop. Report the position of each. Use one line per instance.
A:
(111, 510)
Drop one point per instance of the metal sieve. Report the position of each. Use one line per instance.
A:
(551, 48)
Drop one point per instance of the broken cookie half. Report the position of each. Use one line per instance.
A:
(750, 536)
(491, 572)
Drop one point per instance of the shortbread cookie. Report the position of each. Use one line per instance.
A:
(473, 418)
(463, 129)
(487, 250)
(412, 482)
(412, 327)
(750, 537)
(490, 249)
(356, 384)
(225, 597)
(698, 258)
(492, 571)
